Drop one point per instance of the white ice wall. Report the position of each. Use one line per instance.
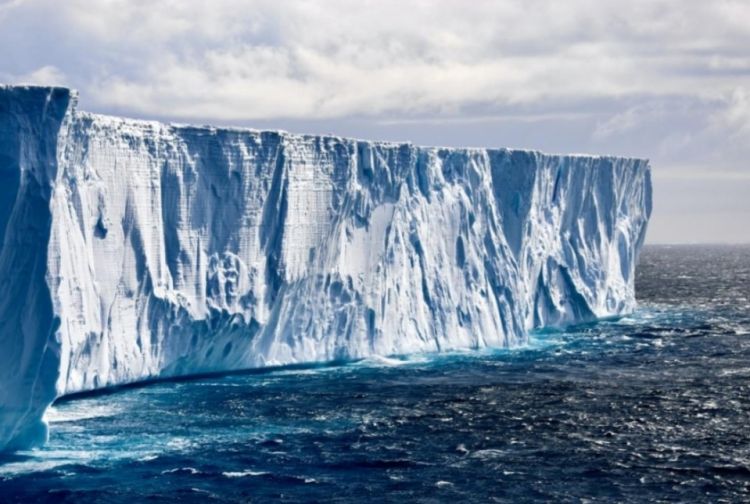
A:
(173, 250)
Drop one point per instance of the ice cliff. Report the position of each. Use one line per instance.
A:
(134, 249)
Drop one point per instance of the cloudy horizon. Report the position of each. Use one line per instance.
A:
(667, 80)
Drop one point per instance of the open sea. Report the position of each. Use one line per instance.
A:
(652, 407)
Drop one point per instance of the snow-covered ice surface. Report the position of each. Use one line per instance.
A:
(134, 249)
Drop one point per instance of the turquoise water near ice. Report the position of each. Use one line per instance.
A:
(655, 406)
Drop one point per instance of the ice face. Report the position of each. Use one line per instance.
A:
(134, 249)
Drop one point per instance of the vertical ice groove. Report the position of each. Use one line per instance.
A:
(132, 249)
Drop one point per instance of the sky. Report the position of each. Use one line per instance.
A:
(667, 80)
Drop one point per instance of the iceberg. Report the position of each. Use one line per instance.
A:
(134, 250)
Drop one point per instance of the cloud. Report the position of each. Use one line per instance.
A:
(232, 60)
(7, 5)
(47, 75)
(736, 116)
(625, 121)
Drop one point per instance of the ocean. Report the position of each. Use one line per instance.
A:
(652, 407)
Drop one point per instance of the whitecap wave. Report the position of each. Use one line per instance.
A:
(243, 474)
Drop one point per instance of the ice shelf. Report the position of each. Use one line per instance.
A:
(133, 249)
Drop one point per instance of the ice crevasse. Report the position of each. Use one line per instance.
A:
(132, 249)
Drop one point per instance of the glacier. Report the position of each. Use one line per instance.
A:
(134, 250)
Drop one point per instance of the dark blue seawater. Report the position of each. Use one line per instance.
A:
(655, 406)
